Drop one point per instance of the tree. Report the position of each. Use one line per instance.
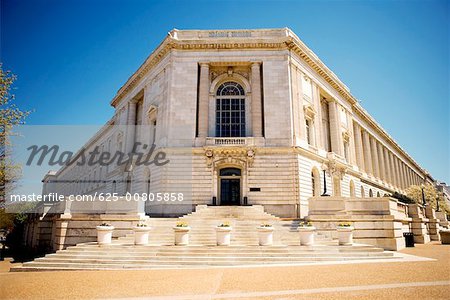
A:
(431, 195)
(10, 116)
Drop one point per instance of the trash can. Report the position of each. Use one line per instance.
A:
(409, 239)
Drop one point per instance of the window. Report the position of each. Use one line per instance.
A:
(230, 172)
(153, 132)
(326, 125)
(346, 151)
(113, 188)
(308, 132)
(230, 110)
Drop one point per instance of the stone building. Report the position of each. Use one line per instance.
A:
(252, 117)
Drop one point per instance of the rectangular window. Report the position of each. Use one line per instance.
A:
(326, 125)
(346, 155)
(154, 132)
(308, 131)
(230, 117)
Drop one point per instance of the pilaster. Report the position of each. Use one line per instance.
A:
(367, 152)
(256, 100)
(375, 160)
(203, 100)
(335, 128)
(358, 146)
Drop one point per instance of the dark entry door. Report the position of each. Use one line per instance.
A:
(230, 191)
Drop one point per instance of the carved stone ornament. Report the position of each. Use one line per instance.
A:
(309, 111)
(335, 166)
(237, 156)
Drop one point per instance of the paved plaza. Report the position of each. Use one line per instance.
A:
(428, 279)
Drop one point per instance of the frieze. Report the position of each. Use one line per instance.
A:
(229, 34)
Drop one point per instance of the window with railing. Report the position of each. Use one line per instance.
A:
(230, 110)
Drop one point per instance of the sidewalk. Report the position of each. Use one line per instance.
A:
(401, 280)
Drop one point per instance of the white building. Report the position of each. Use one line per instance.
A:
(247, 117)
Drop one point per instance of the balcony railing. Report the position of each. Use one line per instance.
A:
(229, 141)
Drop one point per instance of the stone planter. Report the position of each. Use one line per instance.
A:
(104, 234)
(307, 235)
(141, 235)
(265, 235)
(345, 235)
(181, 235)
(445, 237)
(223, 236)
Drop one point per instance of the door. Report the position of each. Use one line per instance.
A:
(230, 191)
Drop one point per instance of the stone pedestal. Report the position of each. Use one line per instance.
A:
(418, 224)
(376, 221)
(433, 224)
(441, 216)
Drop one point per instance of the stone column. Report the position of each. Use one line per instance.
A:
(392, 167)
(351, 145)
(203, 100)
(411, 177)
(367, 153)
(397, 171)
(335, 128)
(295, 104)
(131, 125)
(358, 146)
(381, 161)
(318, 117)
(402, 173)
(405, 185)
(387, 166)
(375, 161)
(256, 100)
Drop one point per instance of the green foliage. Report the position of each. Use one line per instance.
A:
(403, 198)
(10, 116)
(431, 195)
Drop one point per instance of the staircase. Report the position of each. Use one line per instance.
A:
(202, 251)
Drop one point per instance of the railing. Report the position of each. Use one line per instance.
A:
(229, 141)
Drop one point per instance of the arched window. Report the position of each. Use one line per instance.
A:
(370, 193)
(363, 193)
(352, 189)
(113, 189)
(378, 194)
(315, 182)
(230, 172)
(230, 110)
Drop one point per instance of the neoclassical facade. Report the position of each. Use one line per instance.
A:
(249, 117)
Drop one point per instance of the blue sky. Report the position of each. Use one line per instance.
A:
(72, 56)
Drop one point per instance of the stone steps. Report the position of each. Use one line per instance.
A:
(79, 264)
(202, 251)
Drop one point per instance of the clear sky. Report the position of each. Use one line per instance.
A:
(72, 56)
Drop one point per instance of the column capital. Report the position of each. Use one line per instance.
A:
(204, 64)
(255, 63)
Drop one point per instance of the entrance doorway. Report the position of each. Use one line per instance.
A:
(230, 186)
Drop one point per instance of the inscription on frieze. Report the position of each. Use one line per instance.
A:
(218, 34)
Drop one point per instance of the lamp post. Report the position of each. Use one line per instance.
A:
(324, 169)
(423, 196)
(437, 202)
(128, 170)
